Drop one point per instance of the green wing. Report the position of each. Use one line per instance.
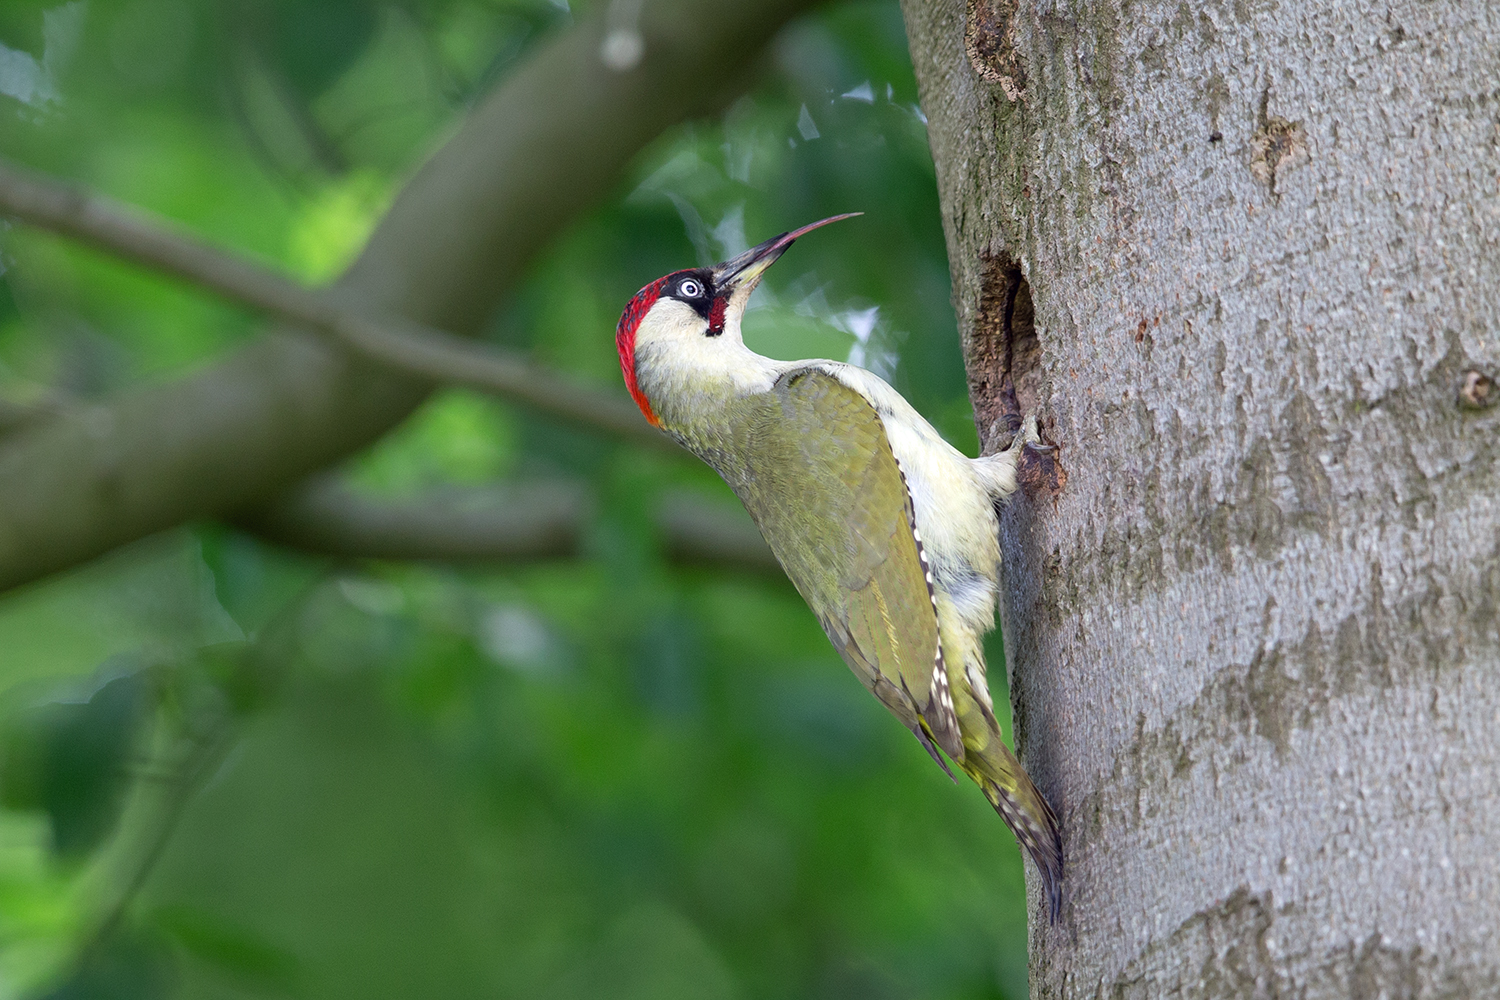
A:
(823, 485)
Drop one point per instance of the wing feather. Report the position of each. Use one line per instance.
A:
(833, 503)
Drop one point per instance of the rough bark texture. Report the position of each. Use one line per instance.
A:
(1254, 641)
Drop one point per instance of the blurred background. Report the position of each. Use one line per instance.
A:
(232, 769)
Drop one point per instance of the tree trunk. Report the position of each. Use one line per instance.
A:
(1244, 260)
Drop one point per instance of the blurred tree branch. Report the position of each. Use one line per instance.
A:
(401, 344)
(544, 146)
(535, 520)
(15, 414)
(528, 521)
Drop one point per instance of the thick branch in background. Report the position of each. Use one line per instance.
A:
(544, 147)
(1254, 641)
(540, 520)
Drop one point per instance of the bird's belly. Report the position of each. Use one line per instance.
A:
(952, 510)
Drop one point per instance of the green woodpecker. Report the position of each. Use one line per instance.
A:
(887, 531)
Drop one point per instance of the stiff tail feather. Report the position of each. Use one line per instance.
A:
(1036, 830)
(1009, 789)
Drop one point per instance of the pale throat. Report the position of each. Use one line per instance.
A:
(688, 378)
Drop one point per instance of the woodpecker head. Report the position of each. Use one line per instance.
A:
(691, 319)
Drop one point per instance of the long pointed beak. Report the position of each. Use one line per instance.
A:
(746, 269)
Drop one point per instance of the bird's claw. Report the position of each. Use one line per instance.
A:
(1028, 436)
(1038, 464)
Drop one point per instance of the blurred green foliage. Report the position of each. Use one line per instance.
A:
(231, 770)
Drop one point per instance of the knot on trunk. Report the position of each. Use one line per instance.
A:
(990, 42)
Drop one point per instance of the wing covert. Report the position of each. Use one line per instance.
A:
(831, 499)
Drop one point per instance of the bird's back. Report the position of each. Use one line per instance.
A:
(811, 461)
(816, 458)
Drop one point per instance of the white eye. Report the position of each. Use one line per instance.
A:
(690, 289)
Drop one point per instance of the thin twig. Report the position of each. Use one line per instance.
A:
(193, 754)
(435, 354)
(200, 758)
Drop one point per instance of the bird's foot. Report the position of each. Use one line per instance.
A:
(1037, 462)
(1027, 461)
(1026, 435)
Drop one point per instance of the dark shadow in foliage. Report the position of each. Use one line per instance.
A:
(69, 759)
(126, 967)
(237, 951)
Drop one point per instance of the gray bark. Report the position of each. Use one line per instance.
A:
(1254, 638)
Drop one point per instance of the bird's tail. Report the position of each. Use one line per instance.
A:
(1005, 783)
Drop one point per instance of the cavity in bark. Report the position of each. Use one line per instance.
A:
(1006, 373)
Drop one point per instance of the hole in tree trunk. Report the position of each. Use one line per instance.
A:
(1005, 379)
